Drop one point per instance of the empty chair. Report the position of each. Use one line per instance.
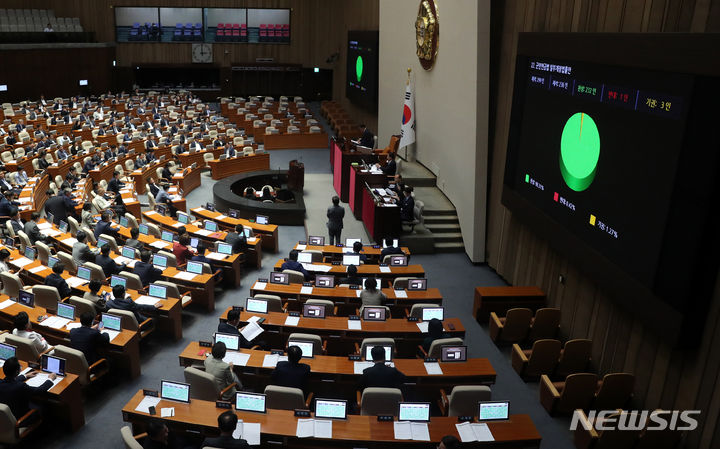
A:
(614, 391)
(76, 363)
(513, 328)
(96, 272)
(541, 359)
(660, 439)
(171, 259)
(128, 438)
(13, 429)
(248, 151)
(25, 349)
(133, 281)
(46, 297)
(128, 321)
(545, 324)
(319, 346)
(463, 400)
(153, 229)
(380, 401)
(24, 241)
(295, 277)
(73, 226)
(330, 307)
(203, 385)
(68, 261)
(132, 221)
(574, 357)
(208, 157)
(274, 302)
(285, 398)
(575, 392)
(436, 346)
(110, 241)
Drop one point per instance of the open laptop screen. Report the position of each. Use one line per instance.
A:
(26, 298)
(52, 364)
(351, 259)
(256, 305)
(414, 411)
(374, 314)
(224, 248)
(175, 391)
(305, 346)
(128, 252)
(157, 291)
(66, 311)
(117, 280)
(6, 351)
(232, 342)
(112, 322)
(279, 278)
(349, 242)
(428, 313)
(494, 410)
(398, 261)
(417, 284)
(388, 352)
(327, 408)
(83, 273)
(304, 257)
(194, 267)
(250, 402)
(261, 219)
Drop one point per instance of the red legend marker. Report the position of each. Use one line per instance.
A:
(556, 196)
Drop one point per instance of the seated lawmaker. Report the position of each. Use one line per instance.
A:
(55, 279)
(390, 166)
(133, 241)
(390, 249)
(293, 264)
(367, 139)
(291, 373)
(16, 394)
(351, 278)
(380, 375)
(357, 251)
(435, 332)
(145, 270)
(88, 339)
(22, 328)
(237, 239)
(104, 226)
(221, 371)
(231, 327)
(200, 255)
(371, 296)
(227, 422)
(108, 265)
(123, 302)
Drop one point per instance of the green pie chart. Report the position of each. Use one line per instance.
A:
(359, 68)
(579, 151)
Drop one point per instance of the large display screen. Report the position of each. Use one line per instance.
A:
(362, 68)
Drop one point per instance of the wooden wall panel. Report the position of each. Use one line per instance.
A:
(666, 377)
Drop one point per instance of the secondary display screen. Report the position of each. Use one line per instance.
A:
(597, 150)
(175, 391)
(325, 408)
(362, 68)
(250, 402)
(414, 411)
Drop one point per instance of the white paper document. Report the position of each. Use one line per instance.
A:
(406, 430)
(252, 239)
(167, 412)
(318, 428)
(147, 300)
(70, 241)
(37, 269)
(251, 331)
(146, 403)
(22, 261)
(52, 232)
(359, 367)
(260, 285)
(317, 268)
(474, 432)
(423, 326)
(355, 325)
(6, 303)
(159, 244)
(400, 293)
(73, 281)
(71, 326)
(248, 431)
(44, 225)
(300, 247)
(236, 358)
(433, 369)
(111, 333)
(220, 217)
(185, 276)
(216, 256)
(40, 379)
(292, 321)
(402, 429)
(306, 290)
(385, 270)
(253, 319)
(203, 232)
(271, 360)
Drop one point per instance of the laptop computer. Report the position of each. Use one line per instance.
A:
(279, 278)
(493, 410)
(52, 261)
(194, 267)
(233, 213)
(101, 243)
(224, 248)
(305, 346)
(112, 322)
(157, 291)
(250, 402)
(210, 207)
(331, 408)
(351, 259)
(143, 229)
(117, 280)
(52, 364)
(349, 242)
(374, 314)
(66, 311)
(414, 411)
(453, 353)
(124, 222)
(183, 218)
(398, 261)
(30, 253)
(167, 236)
(194, 242)
(128, 252)
(63, 226)
(316, 240)
(160, 261)
(428, 313)
(324, 281)
(26, 298)
(417, 285)
(84, 273)
(160, 209)
(313, 311)
(247, 232)
(262, 219)
(304, 257)
(175, 391)
(256, 305)
(7, 351)
(211, 226)
(388, 352)
(232, 342)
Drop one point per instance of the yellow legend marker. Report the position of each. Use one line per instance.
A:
(592, 219)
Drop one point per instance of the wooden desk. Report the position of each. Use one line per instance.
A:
(140, 176)
(269, 232)
(346, 299)
(502, 299)
(373, 252)
(287, 141)
(202, 287)
(201, 417)
(188, 179)
(335, 376)
(358, 177)
(368, 270)
(34, 195)
(340, 340)
(197, 157)
(64, 401)
(381, 220)
(233, 166)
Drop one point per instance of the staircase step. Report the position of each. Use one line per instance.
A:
(443, 229)
(441, 219)
(449, 247)
(447, 237)
(436, 212)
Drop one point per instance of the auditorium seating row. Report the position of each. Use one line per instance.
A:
(35, 20)
(340, 121)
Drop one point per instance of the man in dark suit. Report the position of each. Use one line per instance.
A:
(133, 241)
(55, 279)
(87, 338)
(335, 214)
(380, 375)
(15, 220)
(293, 264)
(291, 373)
(61, 206)
(108, 265)
(390, 166)
(407, 205)
(115, 185)
(122, 302)
(352, 277)
(104, 226)
(367, 139)
(227, 421)
(16, 394)
(81, 252)
(145, 270)
(231, 327)
(5, 205)
(237, 239)
(389, 249)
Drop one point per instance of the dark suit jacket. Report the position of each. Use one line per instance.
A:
(55, 280)
(226, 328)
(390, 250)
(104, 227)
(238, 241)
(15, 393)
(147, 272)
(108, 265)
(367, 139)
(381, 375)
(225, 442)
(335, 216)
(390, 168)
(350, 281)
(407, 206)
(287, 374)
(61, 207)
(297, 266)
(129, 304)
(132, 243)
(88, 340)
(115, 185)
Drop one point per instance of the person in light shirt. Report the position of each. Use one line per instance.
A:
(23, 329)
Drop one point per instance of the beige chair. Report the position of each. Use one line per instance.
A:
(128, 321)
(330, 308)
(361, 349)
(274, 302)
(513, 328)
(435, 350)
(610, 437)
(174, 292)
(379, 401)
(541, 359)
(203, 385)
(574, 357)
(132, 221)
(614, 391)
(208, 157)
(111, 240)
(25, 349)
(11, 284)
(361, 310)
(43, 252)
(575, 392)
(90, 235)
(82, 305)
(9, 229)
(46, 297)
(319, 346)
(133, 281)
(129, 440)
(129, 166)
(171, 259)
(295, 277)
(416, 310)
(24, 241)
(6, 156)
(68, 261)
(545, 324)
(151, 201)
(73, 226)
(76, 363)
(463, 400)
(96, 272)
(285, 398)
(14, 430)
(402, 282)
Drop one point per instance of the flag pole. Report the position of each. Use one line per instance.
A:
(407, 83)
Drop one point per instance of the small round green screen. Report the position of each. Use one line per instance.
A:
(579, 151)
(359, 68)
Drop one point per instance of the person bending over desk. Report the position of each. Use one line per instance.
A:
(221, 371)
(291, 373)
(380, 375)
(16, 394)
(88, 339)
(351, 278)
(133, 241)
(227, 421)
(293, 264)
(104, 226)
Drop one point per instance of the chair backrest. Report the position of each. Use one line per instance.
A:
(127, 319)
(329, 305)
(202, 384)
(376, 342)
(151, 200)
(171, 259)
(75, 362)
(517, 324)
(82, 305)
(46, 297)
(578, 392)
(96, 271)
(172, 289)
(545, 324)
(314, 339)
(73, 225)
(24, 241)
(132, 221)
(463, 400)
(284, 398)
(295, 277)
(111, 240)
(26, 350)
(43, 251)
(7, 426)
(274, 302)
(128, 439)
(132, 280)
(153, 229)
(416, 310)
(10, 229)
(574, 358)
(615, 391)
(158, 172)
(402, 282)
(11, 284)
(68, 261)
(436, 346)
(380, 401)
(544, 357)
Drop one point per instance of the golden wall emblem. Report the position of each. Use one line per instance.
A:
(427, 30)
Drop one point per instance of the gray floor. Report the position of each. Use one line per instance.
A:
(453, 274)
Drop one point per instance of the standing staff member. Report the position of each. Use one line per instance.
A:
(335, 214)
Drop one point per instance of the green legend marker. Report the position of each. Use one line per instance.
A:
(527, 178)
(359, 67)
(579, 151)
